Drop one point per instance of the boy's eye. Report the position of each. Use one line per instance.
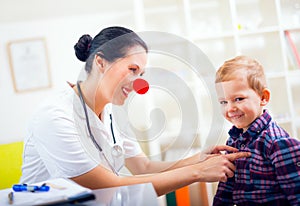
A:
(223, 102)
(239, 99)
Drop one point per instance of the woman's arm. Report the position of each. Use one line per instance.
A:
(141, 164)
(216, 168)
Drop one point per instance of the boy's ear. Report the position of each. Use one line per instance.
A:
(265, 97)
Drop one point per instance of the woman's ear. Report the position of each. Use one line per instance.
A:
(99, 63)
(265, 97)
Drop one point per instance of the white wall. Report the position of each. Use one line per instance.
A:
(61, 34)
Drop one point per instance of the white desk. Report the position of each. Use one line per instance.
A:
(132, 195)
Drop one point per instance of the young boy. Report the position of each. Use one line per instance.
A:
(271, 176)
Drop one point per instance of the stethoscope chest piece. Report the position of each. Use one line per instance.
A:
(117, 151)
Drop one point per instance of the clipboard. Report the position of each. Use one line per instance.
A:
(62, 192)
(74, 200)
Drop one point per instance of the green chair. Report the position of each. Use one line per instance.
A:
(11, 162)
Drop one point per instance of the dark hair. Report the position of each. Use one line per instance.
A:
(87, 47)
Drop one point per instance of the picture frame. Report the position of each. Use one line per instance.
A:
(29, 64)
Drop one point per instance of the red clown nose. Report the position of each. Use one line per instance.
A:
(140, 86)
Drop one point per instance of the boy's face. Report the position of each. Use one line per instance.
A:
(240, 104)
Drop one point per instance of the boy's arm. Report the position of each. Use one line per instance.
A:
(285, 156)
(224, 193)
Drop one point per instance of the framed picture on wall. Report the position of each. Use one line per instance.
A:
(29, 64)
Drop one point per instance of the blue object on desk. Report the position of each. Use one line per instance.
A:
(30, 188)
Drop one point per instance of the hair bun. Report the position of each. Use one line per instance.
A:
(82, 47)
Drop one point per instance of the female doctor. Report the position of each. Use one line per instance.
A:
(59, 145)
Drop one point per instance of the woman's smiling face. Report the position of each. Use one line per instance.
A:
(121, 74)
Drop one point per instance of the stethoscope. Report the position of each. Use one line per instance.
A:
(117, 150)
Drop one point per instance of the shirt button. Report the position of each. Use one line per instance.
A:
(242, 146)
(298, 164)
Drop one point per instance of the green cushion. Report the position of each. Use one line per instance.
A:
(11, 162)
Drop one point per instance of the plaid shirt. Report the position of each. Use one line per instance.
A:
(271, 176)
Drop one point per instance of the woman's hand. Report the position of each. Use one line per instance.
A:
(210, 152)
(218, 149)
(219, 167)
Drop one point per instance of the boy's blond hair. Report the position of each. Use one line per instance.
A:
(253, 69)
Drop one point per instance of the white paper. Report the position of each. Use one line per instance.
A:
(60, 189)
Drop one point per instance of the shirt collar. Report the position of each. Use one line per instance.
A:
(255, 128)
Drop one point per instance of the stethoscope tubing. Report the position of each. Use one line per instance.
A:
(90, 131)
